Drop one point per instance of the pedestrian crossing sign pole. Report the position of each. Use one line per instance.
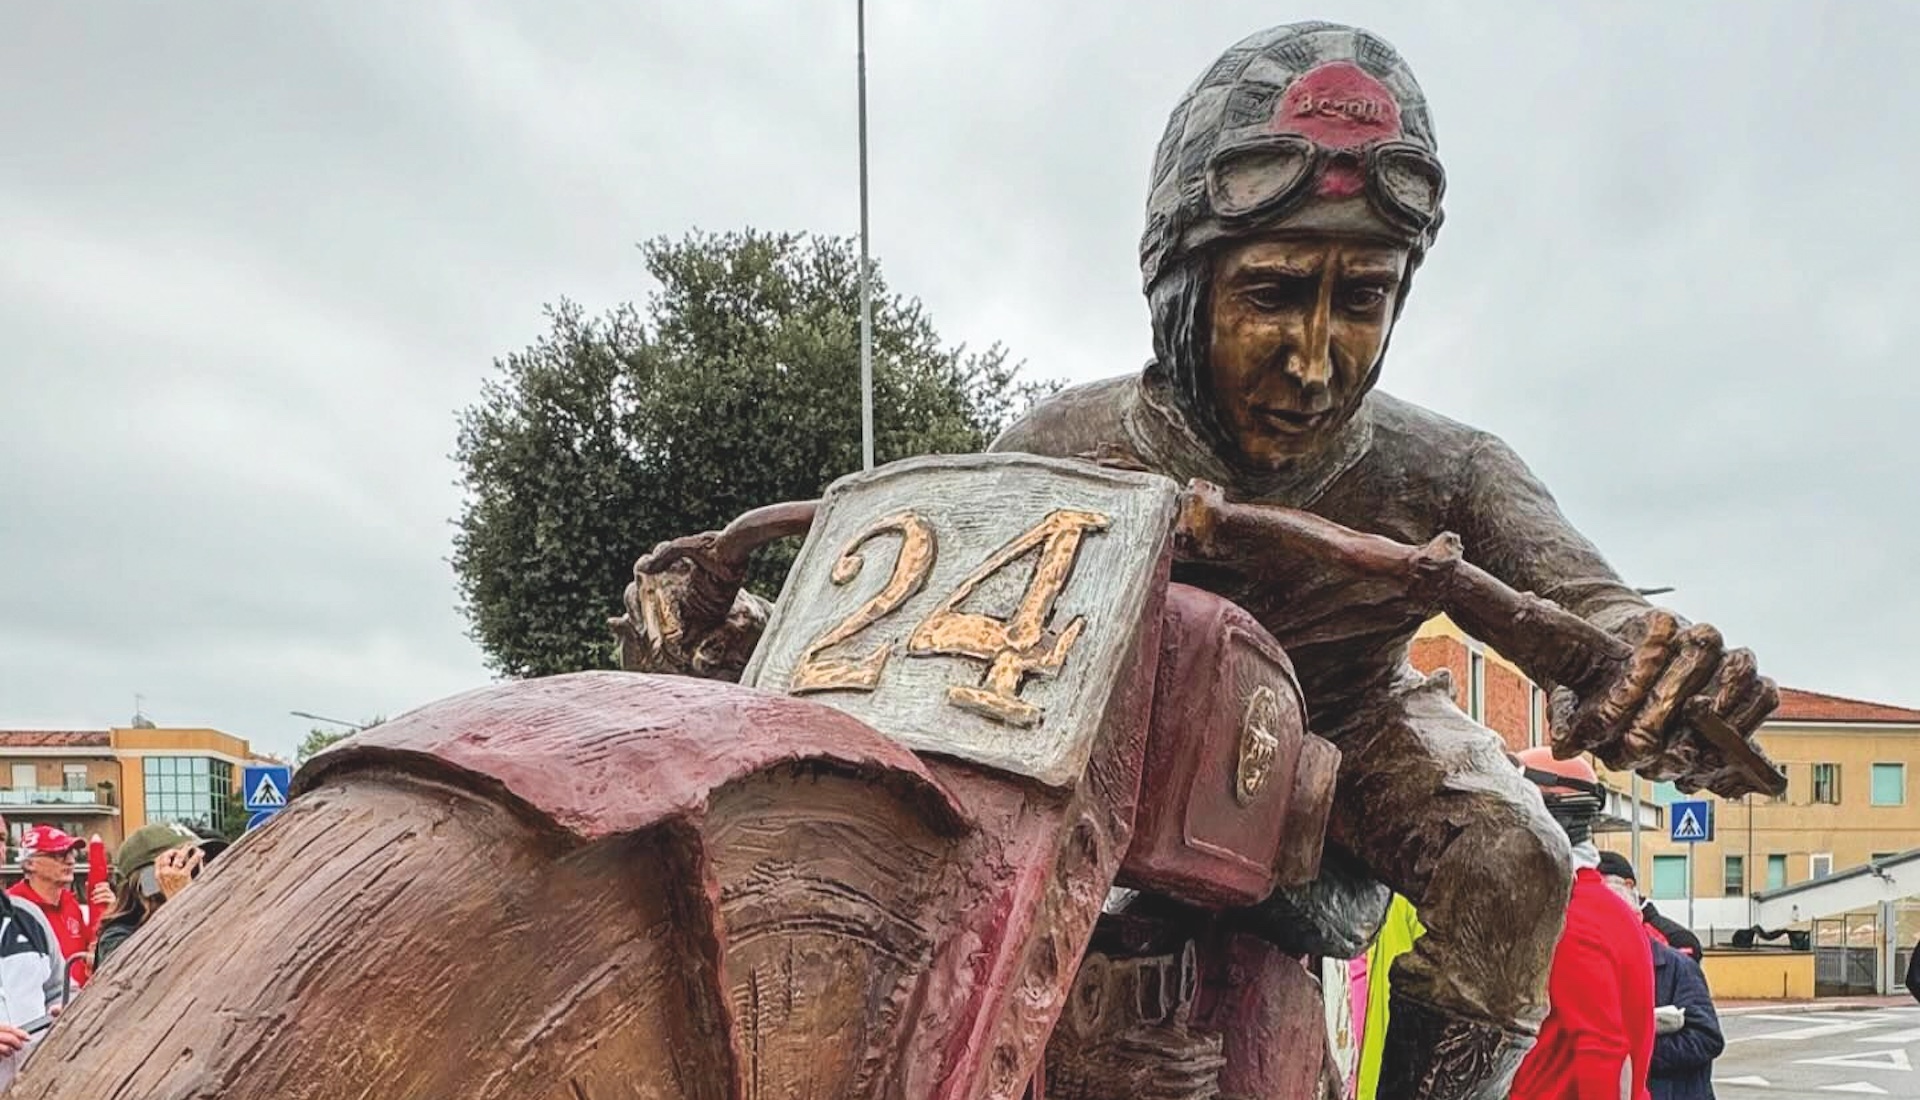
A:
(264, 791)
(1690, 823)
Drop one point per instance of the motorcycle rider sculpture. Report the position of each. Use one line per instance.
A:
(1296, 191)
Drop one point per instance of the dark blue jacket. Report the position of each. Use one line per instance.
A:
(1682, 1067)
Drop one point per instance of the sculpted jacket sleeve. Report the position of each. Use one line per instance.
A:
(1514, 529)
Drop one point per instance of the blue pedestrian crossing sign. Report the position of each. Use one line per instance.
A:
(1690, 822)
(265, 786)
(259, 818)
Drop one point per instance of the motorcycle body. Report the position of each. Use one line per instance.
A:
(884, 864)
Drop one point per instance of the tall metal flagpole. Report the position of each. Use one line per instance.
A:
(866, 274)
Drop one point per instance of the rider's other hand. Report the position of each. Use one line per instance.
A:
(696, 550)
(656, 602)
(12, 1040)
(687, 612)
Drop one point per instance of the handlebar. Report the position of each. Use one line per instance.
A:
(1273, 543)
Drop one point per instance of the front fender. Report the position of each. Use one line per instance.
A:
(602, 753)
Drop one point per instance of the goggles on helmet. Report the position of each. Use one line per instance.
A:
(1259, 179)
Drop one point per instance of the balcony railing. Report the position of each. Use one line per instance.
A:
(51, 796)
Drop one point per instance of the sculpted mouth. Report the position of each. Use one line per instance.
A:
(1290, 420)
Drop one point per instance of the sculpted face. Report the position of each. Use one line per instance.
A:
(1297, 326)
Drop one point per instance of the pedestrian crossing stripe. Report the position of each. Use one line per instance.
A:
(1866, 1059)
(1690, 827)
(267, 793)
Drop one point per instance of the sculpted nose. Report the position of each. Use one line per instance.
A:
(1310, 362)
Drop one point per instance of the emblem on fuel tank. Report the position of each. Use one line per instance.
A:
(1259, 744)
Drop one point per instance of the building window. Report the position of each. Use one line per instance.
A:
(1786, 772)
(1776, 872)
(1536, 716)
(1819, 865)
(1477, 686)
(1669, 876)
(189, 790)
(1826, 783)
(73, 777)
(1736, 876)
(1663, 794)
(23, 779)
(1889, 784)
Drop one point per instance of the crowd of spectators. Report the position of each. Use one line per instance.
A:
(53, 941)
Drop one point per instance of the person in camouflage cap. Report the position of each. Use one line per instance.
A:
(152, 866)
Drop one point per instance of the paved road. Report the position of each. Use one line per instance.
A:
(1820, 1054)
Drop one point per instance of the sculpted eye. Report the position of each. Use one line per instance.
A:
(1267, 298)
(1367, 298)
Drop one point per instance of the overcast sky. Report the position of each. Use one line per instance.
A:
(254, 256)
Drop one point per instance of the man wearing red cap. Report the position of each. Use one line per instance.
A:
(1597, 1041)
(47, 857)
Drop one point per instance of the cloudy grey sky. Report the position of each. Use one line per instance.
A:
(254, 256)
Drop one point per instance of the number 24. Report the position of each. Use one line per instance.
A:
(1013, 648)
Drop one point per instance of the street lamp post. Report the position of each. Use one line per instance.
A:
(356, 727)
(866, 272)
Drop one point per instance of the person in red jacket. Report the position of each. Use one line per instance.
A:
(47, 856)
(1598, 1035)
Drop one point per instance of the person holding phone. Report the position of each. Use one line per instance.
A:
(154, 865)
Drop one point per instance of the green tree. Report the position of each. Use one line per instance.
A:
(738, 386)
(229, 820)
(316, 740)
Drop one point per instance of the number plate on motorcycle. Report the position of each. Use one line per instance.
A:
(978, 606)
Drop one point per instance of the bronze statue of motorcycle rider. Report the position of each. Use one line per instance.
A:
(1295, 192)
